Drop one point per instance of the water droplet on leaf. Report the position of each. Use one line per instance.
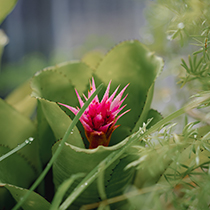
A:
(170, 37)
(181, 25)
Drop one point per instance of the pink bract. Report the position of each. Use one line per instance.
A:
(99, 119)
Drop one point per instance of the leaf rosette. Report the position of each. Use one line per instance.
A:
(129, 62)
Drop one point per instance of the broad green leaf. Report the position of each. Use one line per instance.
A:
(52, 85)
(6, 7)
(130, 62)
(6, 199)
(14, 129)
(45, 135)
(73, 160)
(145, 110)
(57, 83)
(59, 122)
(21, 99)
(16, 170)
(78, 73)
(92, 58)
(33, 202)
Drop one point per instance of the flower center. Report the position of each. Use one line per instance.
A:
(99, 118)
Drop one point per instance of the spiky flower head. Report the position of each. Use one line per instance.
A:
(99, 119)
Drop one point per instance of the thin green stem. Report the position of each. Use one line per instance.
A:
(130, 141)
(26, 142)
(68, 131)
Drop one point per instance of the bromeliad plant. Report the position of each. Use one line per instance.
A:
(101, 133)
(102, 155)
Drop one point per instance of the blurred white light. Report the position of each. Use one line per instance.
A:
(4, 40)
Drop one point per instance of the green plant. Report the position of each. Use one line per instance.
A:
(147, 164)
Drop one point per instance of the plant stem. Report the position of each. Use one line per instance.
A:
(26, 142)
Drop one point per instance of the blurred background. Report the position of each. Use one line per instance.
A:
(70, 27)
(41, 33)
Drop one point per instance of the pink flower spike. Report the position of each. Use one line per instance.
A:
(118, 110)
(106, 94)
(99, 119)
(118, 98)
(113, 94)
(92, 90)
(93, 85)
(74, 110)
(85, 97)
(79, 99)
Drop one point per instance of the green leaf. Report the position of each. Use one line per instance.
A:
(78, 73)
(73, 160)
(92, 58)
(14, 129)
(145, 110)
(131, 62)
(16, 170)
(33, 202)
(21, 99)
(59, 122)
(6, 6)
(45, 135)
(6, 199)
(57, 83)
(52, 85)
